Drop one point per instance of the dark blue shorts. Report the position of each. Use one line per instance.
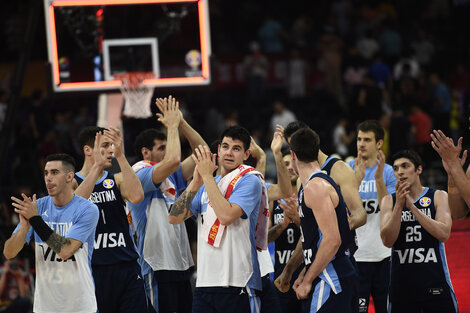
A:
(169, 291)
(269, 297)
(374, 279)
(322, 299)
(443, 301)
(119, 288)
(225, 300)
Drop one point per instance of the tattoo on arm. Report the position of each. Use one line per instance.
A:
(182, 204)
(274, 232)
(56, 242)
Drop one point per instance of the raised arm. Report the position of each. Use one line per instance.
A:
(127, 181)
(194, 139)
(283, 188)
(63, 247)
(345, 177)
(458, 180)
(390, 215)
(17, 240)
(170, 118)
(88, 184)
(439, 227)
(260, 156)
(379, 177)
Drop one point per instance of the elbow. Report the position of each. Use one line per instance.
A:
(8, 255)
(137, 197)
(444, 236)
(173, 220)
(386, 241)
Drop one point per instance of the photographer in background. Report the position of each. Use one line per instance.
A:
(14, 289)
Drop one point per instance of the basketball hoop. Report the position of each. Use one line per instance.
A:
(138, 96)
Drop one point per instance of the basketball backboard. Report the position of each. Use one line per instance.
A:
(89, 41)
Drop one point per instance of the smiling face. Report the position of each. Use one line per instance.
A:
(56, 178)
(405, 171)
(367, 144)
(231, 154)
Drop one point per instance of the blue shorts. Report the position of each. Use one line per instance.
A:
(119, 288)
(169, 291)
(225, 300)
(322, 299)
(269, 297)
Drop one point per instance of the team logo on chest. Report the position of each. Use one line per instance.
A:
(108, 183)
(425, 201)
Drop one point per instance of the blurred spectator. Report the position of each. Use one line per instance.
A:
(390, 42)
(3, 107)
(342, 139)
(301, 31)
(441, 103)
(381, 72)
(281, 115)
(423, 48)
(14, 288)
(406, 67)
(255, 67)
(455, 113)
(366, 102)
(296, 75)
(271, 35)
(400, 131)
(368, 46)
(422, 127)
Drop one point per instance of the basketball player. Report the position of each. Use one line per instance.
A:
(458, 183)
(328, 279)
(376, 181)
(116, 272)
(415, 222)
(227, 209)
(285, 233)
(345, 178)
(165, 254)
(282, 189)
(63, 227)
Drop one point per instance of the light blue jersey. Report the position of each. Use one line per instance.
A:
(370, 246)
(161, 246)
(70, 279)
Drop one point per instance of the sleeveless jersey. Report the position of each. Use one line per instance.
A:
(419, 267)
(113, 240)
(326, 167)
(340, 266)
(285, 244)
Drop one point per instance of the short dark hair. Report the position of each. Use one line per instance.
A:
(305, 143)
(87, 136)
(411, 155)
(146, 139)
(292, 127)
(68, 163)
(237, 132)
(372, 126)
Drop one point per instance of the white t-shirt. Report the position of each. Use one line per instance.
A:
(65, 286)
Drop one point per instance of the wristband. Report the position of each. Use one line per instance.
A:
(40, 227)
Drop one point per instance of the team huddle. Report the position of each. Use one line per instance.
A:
(342, 232)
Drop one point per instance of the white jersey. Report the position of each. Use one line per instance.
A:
(161, 245)
(370, 246)
(234, 263)
(65, 286)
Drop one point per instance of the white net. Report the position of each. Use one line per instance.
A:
(137, 96)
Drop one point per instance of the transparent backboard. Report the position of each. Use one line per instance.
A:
(89, 41)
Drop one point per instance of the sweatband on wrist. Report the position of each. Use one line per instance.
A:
(40, 227)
